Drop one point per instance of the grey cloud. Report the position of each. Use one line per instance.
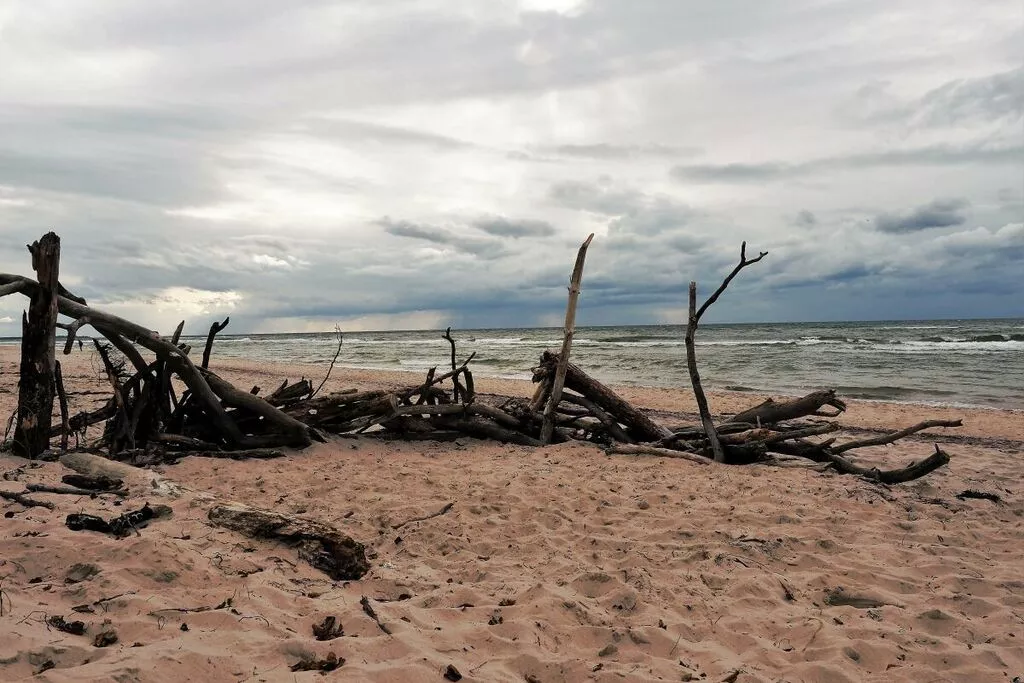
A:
(482, 248)
(995, 97)
(600, 197)
(937, 155)
(420, 232)
(941, 213)
(985, 99)
(353, 131)
(806, 219)
(500, 226)
(162, 157)
(608, 151)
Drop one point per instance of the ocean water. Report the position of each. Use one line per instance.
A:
(954, 362)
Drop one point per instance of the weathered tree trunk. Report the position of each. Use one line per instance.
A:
(771, 412)
(698, 391)
(558, 382)
(38, 338)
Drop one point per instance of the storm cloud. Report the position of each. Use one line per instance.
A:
(941, 213)
(396, 164)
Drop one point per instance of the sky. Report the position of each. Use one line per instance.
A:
(411, 164)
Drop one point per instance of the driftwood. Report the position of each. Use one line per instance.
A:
(25, 501)
(69, 490)
(771, 412)
(38, 332)
(215, 328)
(639, 426)
(633, 449)
(895, 436)
(899, 476)
(320, 545)
(295, 433)
(62, 397)
(330, 368)
(558, 381)
(147, 423)
(693, 321)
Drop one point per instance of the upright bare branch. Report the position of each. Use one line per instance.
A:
(337, 352)
(693, 320)
(38, 338)
(215, 328)
(558, 383)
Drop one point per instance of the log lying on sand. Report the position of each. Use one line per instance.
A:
(322, 546)
(897, 476)
(771, 411)
(638, 426)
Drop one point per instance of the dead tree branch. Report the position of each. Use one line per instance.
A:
(898, 476)
(693, 320)
(558, 381)
(334, 360)
(894, 436)
(215, 328)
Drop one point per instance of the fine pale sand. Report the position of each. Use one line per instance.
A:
(554, 564)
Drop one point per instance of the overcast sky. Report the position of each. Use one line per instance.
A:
(424, 163)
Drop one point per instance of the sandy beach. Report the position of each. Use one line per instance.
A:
(552, 564)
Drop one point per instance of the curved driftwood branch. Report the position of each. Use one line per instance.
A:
(16, 287)
(894, 436)
(898, 476)
(337, 352)
(744, 262)
(72, 331)
(693, 321)
(215, 328)
(698, 390)
(127, 350)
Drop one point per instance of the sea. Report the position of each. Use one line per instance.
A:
(939, 362)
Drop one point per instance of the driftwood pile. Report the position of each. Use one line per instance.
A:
(147, 421)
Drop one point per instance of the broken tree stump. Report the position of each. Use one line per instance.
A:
(320, 545)
(38, 337)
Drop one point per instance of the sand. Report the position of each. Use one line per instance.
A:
(553, 564)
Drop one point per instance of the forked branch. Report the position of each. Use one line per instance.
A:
(693, 320)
